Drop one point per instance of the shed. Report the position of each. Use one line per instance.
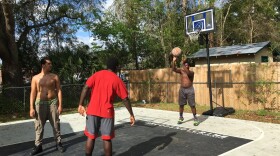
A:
(246, 53)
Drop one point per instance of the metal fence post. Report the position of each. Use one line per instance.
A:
(24, 98)
(166, 92)
(215, 82)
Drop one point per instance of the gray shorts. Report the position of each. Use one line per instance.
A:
(187, 95)
(94, 124)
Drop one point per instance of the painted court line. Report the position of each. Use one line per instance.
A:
(247, 144)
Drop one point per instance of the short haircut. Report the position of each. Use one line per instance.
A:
(44, 60)
(112, 63)
(186, 61)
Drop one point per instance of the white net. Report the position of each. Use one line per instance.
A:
(194, 36)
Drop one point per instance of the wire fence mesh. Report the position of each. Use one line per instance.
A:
(244, 95)
(237, 95)
(17, 99)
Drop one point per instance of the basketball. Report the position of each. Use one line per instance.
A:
(176, 51)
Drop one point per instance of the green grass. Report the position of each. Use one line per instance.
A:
(171, 107)
(262, 112)
(260, 115)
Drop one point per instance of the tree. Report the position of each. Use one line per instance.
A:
(131, 14)
(222, 16)
(252, 21)
(74, 64)
(144, 31)
(26, 22)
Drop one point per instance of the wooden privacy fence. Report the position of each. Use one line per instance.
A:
(241, 86)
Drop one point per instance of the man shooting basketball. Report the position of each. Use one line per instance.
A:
(186, 91)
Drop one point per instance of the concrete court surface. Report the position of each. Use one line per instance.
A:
(155, 133)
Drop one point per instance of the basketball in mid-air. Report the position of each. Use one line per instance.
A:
(176, 51)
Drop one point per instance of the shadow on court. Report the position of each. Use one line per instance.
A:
(145, 138)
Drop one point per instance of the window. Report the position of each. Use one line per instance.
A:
(264, 59)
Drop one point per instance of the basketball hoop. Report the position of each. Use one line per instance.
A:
(194, 36)
(199, 23)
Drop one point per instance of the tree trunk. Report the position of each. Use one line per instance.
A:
(223, 22)
(166, 58)
(184, 7)
(11, 72)
(134, 49)
(251, 29)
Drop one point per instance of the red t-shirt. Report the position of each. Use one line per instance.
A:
(105, 85)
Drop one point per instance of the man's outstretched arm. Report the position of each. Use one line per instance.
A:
(127, 104)
(33, 94)
(174, 68)
(81, 108)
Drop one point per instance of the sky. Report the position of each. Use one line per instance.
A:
(84, 36)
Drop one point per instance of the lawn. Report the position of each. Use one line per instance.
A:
(261, 115)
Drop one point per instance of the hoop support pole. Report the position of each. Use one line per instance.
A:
(209, 71)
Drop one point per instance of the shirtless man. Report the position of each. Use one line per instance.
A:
(47, 96)
(186, 91)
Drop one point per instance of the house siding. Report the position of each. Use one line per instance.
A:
(243, 58)
(264, 52)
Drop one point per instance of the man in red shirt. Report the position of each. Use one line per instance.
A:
(104, 85)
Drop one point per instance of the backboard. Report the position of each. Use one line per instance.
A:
(202, 21)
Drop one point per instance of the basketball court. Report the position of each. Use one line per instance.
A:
(145, 138)
(155, 133)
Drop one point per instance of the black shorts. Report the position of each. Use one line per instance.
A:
(94, 124)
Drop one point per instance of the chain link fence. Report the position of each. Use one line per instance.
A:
(237, 95)
(17, 99)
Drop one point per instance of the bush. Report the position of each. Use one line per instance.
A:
(8, 105)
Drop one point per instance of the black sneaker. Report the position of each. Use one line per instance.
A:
(59, 147)
(36, 150)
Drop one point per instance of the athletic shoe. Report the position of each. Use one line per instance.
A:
(195, 122)
(60, 147)
(181, 119)
(36, 150)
